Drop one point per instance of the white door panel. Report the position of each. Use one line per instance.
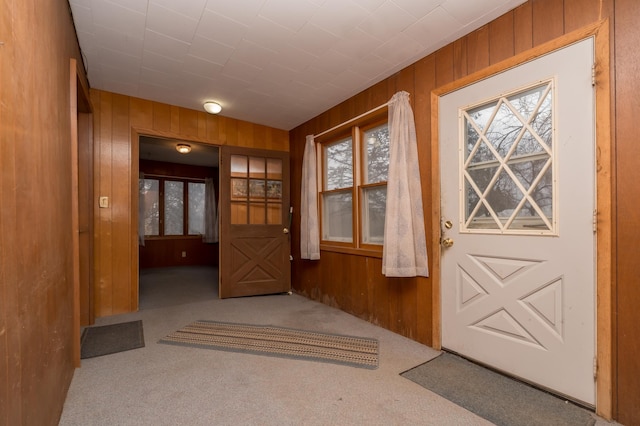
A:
(518, 283)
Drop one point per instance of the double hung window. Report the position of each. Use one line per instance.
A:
(353, 187)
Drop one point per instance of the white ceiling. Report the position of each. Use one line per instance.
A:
(272, 62)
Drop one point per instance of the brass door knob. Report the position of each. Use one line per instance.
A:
(447, 242)
(285, 231)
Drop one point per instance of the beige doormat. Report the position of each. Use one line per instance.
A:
(278, 341)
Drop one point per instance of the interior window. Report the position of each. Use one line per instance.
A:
(172, 207)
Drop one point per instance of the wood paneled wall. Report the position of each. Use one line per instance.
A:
(37, 42)
(627, 290)
(404, 305)
(118, 120)
(355, 284)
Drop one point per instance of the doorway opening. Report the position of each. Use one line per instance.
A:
(178, 236)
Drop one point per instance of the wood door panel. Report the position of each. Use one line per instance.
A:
(254, 254)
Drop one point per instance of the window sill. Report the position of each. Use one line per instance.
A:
(352, 250)
(172, 237)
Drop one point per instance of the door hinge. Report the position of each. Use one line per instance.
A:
(595, 220)
(595, 368)
(593, 75)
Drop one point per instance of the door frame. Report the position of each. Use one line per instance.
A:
(604, 196)
(136, 132)
(81, 125)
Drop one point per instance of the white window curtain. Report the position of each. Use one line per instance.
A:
(405, 248)
(309, 227)
(210, 212)
(141, 214)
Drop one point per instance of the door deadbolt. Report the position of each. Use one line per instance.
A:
(448, 224)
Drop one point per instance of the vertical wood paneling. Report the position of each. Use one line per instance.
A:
(120, 205)
(161, 117)
(406, 82)
(141, 113)
(175, 119)
(547, 20)
(104, 252)
(116, 117)
(188, 122)
(523, 28)
(10, 379)
(478, 49)
(425, 83)
(627, 69)
(444, 65)
(460, 68)
(501, 38)
(578, 13)
(36, 250)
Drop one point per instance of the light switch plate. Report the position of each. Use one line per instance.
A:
(104, 202)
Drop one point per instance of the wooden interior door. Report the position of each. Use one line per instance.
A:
(518, 197)
(254, 222)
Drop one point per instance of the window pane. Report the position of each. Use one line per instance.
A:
(196, 208)
(274, 168)
(338, 159)
(239, 165)
(173, 208)
(337, 217)
(508, 172)
(256, 167)
(374, 201)
(376, 154)
(151, 196)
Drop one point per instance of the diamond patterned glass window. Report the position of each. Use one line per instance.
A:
(508, 163)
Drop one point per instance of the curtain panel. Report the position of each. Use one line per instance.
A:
(309, 226)
(405, 249)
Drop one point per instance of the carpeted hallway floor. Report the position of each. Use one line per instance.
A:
(172, 385)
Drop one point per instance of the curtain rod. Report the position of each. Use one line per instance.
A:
(352, 120)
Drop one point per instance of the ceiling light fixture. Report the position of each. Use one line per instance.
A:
(212, 107)
(183, 148)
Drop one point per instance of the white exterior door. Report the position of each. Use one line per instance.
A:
(518, 199)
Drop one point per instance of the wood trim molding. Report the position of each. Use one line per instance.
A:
(75, 227)
(605, 224)
(604, 197)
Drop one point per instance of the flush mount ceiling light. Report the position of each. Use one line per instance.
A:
(183, 148)
(212, 107)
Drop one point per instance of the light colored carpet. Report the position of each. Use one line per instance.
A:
(172, 385)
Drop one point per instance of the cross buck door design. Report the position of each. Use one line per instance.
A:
(254, 222)
(518, 257)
